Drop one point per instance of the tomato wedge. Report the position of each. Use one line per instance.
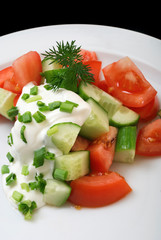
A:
(98, 191)
(102, 151)
(88, 55)
(95, 69)
(126, 82)
(149, 139)
(149, 111)
(27, 69)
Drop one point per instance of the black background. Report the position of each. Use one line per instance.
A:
(140, 17)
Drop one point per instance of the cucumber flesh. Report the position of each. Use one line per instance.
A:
(75, 163)
(106, 101)
(125, 144)
(65, 135)
(47, 65)
(56, 192)
(124, 117)
(6, 101)
(97, 123)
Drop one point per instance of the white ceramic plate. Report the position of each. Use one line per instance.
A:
(137, 216)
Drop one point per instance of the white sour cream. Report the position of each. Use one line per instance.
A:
(36, 136)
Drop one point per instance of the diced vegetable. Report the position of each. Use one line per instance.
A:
(124, 117)
(126, 82)
(63, 135)
(102, 151)
(98, 191)
(97, 123)
(149, 139)
(109, 103)
(56, 192)
(76, 164)
(125, 145)
(6, 101)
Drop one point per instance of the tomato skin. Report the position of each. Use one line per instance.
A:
(98, 191)
(27, 68)
(102, 151)
(149, 139)
(126, 82)
(88, 55)
(95, 69)
(6, 74)
(149, 111)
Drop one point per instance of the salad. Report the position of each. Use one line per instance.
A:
(70, 125)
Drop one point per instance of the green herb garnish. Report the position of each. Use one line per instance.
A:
(27, 207)
(5, 169)
(73, 70)
(10, 157)
(39, 117)
(11, 178)
(39, 156)
(39, 184)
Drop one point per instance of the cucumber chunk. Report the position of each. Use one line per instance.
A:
(75, 163)
(6, 101)
(106, 101)
(56, 192)
(124, 117)
(97, 123)
(125, 144)
(64, 135)
(47, 65)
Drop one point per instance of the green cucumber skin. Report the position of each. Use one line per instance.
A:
(121, 120)
(97, 123)
(125, 144)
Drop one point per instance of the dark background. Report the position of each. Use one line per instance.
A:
(140, 17)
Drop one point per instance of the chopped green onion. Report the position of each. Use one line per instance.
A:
(39, 184)
(44, 108)
(54, 105)
(75, 104)
(5, 169)
(25, 186)
(10, 139)
(39, 117)
(33, 99)
(22, 133)
(20, 118)
(66, 107)
(11, 178)
(25, 170)
(39, 156)
(40, 103)
(17, 196)
(10, 157)
(48, 87)
(27, 207)
(25, 96)
(52, 130)
(49, 156)
(60, 174)
(27, 117)
(34, 90)
(12, 113)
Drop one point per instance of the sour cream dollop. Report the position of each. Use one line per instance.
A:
(36, 136)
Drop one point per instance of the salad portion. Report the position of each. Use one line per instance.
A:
(70, 125)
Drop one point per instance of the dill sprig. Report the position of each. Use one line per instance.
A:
(73, 70)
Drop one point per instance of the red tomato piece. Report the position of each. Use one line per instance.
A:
(127, 83)
(149, 111)
(102, 151)
(95, 69)
(27, 68)
(88, 55)
(80, 144)
(149, 139)
(11, 86)
(98, 191)
(6, 74)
